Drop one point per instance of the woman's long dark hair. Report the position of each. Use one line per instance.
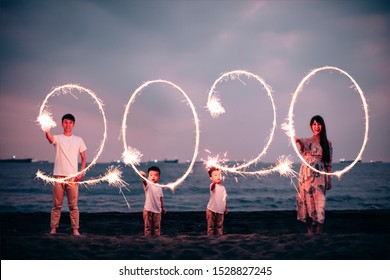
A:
(323, 138)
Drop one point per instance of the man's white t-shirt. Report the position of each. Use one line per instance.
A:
(68, 149)
(153, 195)
(217, 201)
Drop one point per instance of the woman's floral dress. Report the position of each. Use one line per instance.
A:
(312, 185)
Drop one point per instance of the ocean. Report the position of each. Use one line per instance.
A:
(366, 186)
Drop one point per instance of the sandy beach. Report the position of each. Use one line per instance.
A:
(273, 235)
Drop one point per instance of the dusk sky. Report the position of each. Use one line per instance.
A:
(113, 47)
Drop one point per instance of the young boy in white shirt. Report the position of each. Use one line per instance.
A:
(154, 204)
(217, 205)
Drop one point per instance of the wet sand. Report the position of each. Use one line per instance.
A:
(272, 235)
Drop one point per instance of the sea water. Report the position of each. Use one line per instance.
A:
(366, 186)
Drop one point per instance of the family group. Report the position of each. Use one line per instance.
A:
(312, 185)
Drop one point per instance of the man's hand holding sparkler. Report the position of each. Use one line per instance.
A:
(49, 137)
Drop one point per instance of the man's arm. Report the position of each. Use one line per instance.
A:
(49, 137)
(83, 165)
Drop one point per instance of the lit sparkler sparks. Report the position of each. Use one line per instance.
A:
(46, 122)
(215, 108)
(112, 177)
(215, 161)
(283, 167)
(289, 127)
(132, 156)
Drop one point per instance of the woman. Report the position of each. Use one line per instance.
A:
(312, 186)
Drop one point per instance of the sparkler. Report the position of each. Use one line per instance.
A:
(132, 156)
(289, 127)
(46, 122)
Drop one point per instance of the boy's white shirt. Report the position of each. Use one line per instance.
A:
(68, 149)
(153, 195)
(217, 201)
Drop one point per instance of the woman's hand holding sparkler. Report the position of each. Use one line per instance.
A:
(299, 143)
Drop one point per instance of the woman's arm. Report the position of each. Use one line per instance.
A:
(300, 144)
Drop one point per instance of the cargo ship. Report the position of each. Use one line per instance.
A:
(343, 160)
(17, 160)
(171, 160)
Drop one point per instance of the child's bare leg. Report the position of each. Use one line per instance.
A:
(76, 231)
(53, 230)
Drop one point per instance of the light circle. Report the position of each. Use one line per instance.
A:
(67, 89)
(337, 173)
(196, 121)
(235, 75)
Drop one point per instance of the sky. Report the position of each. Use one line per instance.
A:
(113, 47)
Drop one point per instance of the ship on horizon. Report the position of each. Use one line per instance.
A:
(343, 160)
(17, 160)
(171, 160)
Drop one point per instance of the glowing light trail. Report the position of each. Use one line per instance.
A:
(131, 156)
(290, 126)
(112, 176)
(283, 166)
(46, 122)
(215, 108)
